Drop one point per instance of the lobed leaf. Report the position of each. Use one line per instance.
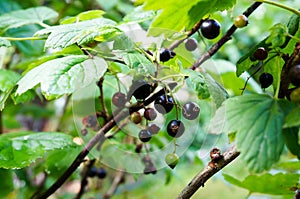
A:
(278, 184)
(82, 32)
(63, 75)
(87, 15)
(139, 15)
(258, 121)
(20, 149)
(8, 80)
(20, 18)
(183, 14)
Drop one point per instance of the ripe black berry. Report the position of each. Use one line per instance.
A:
(136, 117)
(90, 121)
(241, 21)
(101, 173)
(190, 110)
(175, 128)
(145, 135)
(164, 104)
(166, 55)
(93, 172)
(210, 28)
(294, 75)
(153, 128)
(260, 54)
(150, 114)
(140, 89)
(265, 79)
(191, 44)
(119, 99)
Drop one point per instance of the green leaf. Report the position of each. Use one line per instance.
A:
(123, 42)
(139, 15)
(278, 35)
(20, 18)
(88, 15)
(291, 138)
(63, 75)
(183, 14)
(258, 121)
(20, 149)
(292, 119)
(81, 33)
(7, 185)
(138, 62)
(278, 184)
(196, 82)
(4, 42)
(8, 80)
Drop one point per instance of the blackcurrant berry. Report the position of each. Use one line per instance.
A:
(145, 135)
(166, 55)
(119, 99)
(164, 104)
(150, 114)
(175, 128)
(136, 117)
(101, 173)
(190, 110)
(210, 28)
(294, 75)
(172, 160)
(93, 172)
(241, 21)
(153, 128)
(265, 79)
(191, 44)
(140, 89)
(260, 54)
(90, 121)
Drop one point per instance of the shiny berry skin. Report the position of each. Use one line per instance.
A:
(119, 99)
(260, 54)
(93, 172)
(101, 173)
(241, 21)
(150, 114)
(265, 79)
(145, 135)
(175, 128)
(191, 44)
(153, 128)
(136, 117)
(166, 55)
(210, 28)
(164, 104)
(190, 110)
(172, 160)
(294, 75)
(140, 89)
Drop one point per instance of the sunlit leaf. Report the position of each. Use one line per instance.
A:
(20, 149)
(80, 33)
(20, 18)
(88, 15)
(63, 75)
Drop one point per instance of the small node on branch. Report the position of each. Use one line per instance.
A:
(216, 156)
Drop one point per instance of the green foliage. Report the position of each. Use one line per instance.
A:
(20, 18)
(291, 138)
(8, 80)
(259, 138)
(83, 32)
(88, 15)
(6, 185)
(183, 14)
(4, 42)
(63, 75)
(278, 184)
(20, 149)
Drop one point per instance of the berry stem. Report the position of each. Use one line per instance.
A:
(224, 39)
(278, 79)
(23, 38)
(280, 6)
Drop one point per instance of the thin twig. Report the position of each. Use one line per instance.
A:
(224, 39)
(207, 173)
(101, 98)
(118, 179)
